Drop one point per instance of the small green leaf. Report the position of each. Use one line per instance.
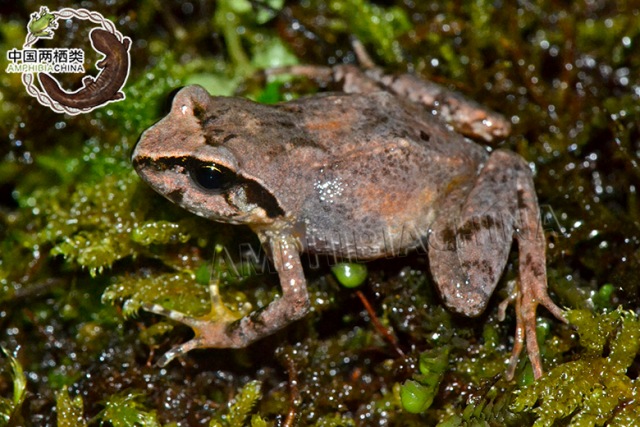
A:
(415, 397)
(602, 298)
(273, 53)
(350, 275)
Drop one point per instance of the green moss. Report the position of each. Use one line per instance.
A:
(240, 408)
(377, 25)
(69, 411)
(91, 227)
(335, 420)
(126, 409)
(594, 389)
(10, 408)
(417, 395)
(178, 291)
(159, 232)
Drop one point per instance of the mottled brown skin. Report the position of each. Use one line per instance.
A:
(358, 176)
(106, 85)
(465, 115)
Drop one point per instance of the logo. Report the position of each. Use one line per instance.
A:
(108, 43)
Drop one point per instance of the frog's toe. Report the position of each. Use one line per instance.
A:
(171, 314)
(543, 299)
(526, 301)
(519, 341)
(179, 350)
(207, 335)
(210, 330)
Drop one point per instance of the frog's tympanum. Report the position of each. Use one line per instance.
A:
(358, 175)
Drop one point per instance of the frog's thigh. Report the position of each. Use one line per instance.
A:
(468, 250)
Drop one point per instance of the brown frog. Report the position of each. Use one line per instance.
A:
(358, 176)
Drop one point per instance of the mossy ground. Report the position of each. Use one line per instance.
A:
(83, 242)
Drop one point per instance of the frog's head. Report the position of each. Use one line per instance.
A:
(41, 19)
(190, 161)
(41, 22)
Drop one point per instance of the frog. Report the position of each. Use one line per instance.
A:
(42, 23)
(359, 174)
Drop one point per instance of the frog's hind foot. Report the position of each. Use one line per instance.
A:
(526, 300)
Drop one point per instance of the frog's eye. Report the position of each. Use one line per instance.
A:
(212, 177)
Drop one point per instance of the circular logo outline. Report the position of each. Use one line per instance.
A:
(96, 91)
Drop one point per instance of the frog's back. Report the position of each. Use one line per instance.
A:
(387, 168)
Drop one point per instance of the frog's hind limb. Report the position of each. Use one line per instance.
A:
(465, 115)
(532, 283)
(467, 257)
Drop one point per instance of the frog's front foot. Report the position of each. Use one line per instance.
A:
(222, 328)
(211, 330)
